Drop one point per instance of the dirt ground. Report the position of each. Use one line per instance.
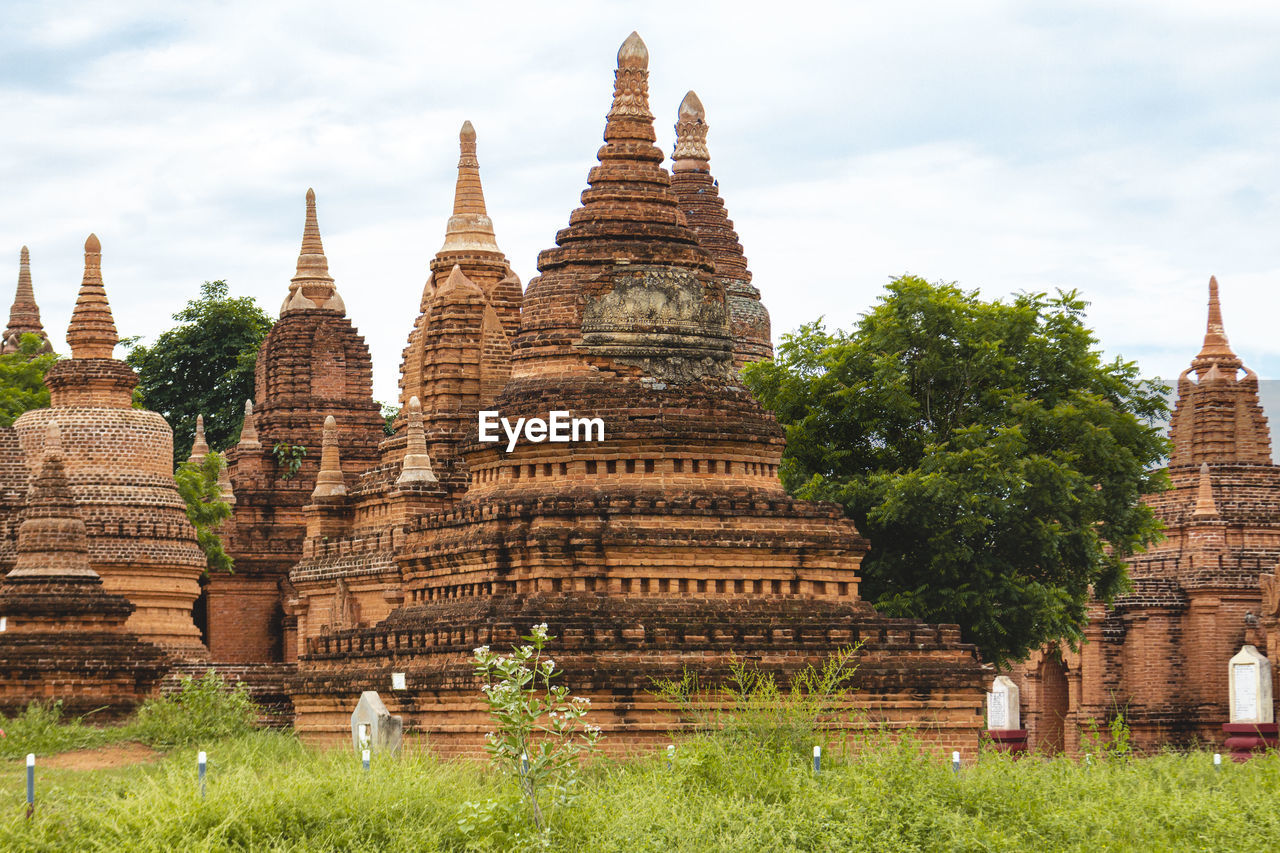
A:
(102, 757)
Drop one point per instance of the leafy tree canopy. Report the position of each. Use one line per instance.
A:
(203, 367)
(22, 379)
(991, 456)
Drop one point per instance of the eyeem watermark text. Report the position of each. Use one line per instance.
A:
(557, 427)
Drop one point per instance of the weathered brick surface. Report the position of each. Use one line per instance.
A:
(65, 637)
(267, 684)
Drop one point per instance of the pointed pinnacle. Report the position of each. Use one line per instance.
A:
(53, 440)
(458, 281)
(629, 116)
(690, 152)
(633, 53)
(416, 467)
(92, 332)
(311, 260)
(199, 447)
(248, 430)
(312, 285)
(24, 314)
(330, 481)
(468, 194)
(25, 292)
(1216, 347)
(1205, 506)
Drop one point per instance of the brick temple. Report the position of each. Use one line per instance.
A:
(1159, 653)
(669, 544)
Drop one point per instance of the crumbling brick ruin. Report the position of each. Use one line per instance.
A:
(1159, 654)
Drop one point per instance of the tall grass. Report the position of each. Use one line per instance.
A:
(742, 784)
(267, 792)
(201, 710)
(41, 729)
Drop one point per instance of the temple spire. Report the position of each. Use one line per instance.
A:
(1216, 349)
(704, 210)
(470, 229)
(199, 447)
(330, 481)
(249, 429)
(416, 467)
(312, 285)
(92, 333)
(224, 484)
(629, 116)
(1205, 506)
(468, 194)
(24, 314)
(691, 151)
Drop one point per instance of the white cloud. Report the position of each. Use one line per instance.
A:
(1127, 152)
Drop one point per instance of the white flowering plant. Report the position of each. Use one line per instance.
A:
(540, 730)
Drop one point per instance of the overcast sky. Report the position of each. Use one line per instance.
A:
(1128, 150)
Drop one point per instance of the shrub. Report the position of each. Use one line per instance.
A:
(539, 735)
(203, 709)
(750, 710)
(41, 729)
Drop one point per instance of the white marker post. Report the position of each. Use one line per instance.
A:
(671, 755)
(364, 759)
(955, 761)
(1217, 761)
(202, 764)
(817, 759)
(31, 784)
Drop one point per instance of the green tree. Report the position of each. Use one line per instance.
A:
(203, 367)
(22, 373)
(198, 485)
(987, 451)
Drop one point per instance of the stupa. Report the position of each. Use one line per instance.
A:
(62, 635)
(668, 544)
(118, 465)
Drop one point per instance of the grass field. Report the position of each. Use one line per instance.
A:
(268, 792)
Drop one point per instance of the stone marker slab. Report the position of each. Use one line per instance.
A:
(1249, 687)
(1004, 704)
(373, 728)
